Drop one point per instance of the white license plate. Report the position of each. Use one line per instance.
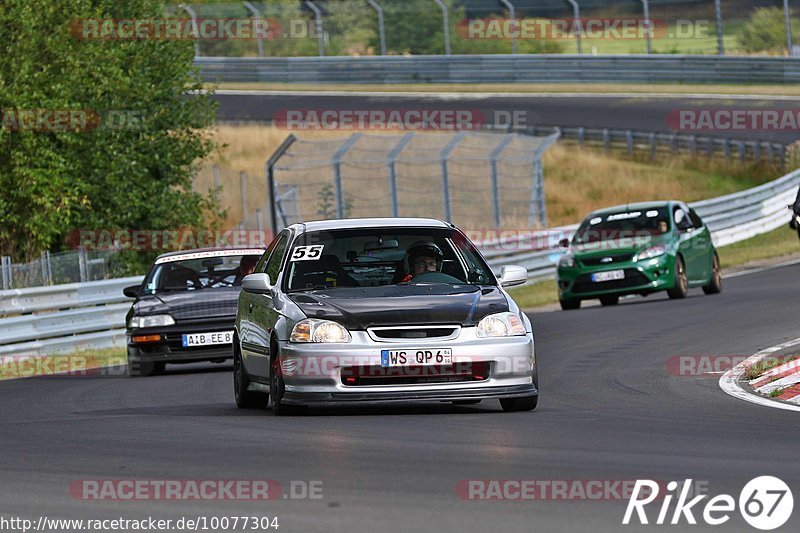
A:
(207, 339)
(416, 357)
(608, 276)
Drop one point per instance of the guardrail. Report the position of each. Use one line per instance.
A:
(82, 316)
(503, 68)
(731, 218)
(657, 143)
(64, 318)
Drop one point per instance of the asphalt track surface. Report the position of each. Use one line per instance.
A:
(643, 112)
(609, 410)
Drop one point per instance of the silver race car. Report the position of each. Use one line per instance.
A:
(380, 310)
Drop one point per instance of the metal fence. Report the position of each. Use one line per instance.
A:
(504, 69)
(56, 268)
(343, 27)
(470, 178)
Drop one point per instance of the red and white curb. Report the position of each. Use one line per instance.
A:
(788, 375)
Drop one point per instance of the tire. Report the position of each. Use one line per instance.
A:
(140, 369)
(681, 286)
(609, 300)
(519, 404)
(245, 399)
(715, 285)
(569, 304)
(277, 388)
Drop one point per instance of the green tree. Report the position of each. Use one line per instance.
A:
(326, 203)
(133, 170)
(766, 31)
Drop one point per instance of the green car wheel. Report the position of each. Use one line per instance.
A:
(681, 287)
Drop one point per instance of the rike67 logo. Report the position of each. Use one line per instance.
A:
(765, 503)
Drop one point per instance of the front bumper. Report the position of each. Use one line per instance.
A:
(170, 349)
(641, 277)
(318, 373)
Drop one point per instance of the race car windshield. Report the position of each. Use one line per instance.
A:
(374, 257)
(201, 273)
(632, 224)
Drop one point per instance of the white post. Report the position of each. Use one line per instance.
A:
(512, 16)
(576, 14)
(381, 28)
(446, 19)
(195, 27)
(649, 25)
(318, 18)
(259, 35)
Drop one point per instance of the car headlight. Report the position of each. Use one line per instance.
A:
(567, 260)
(311, 330)
(649, 253)
(152, 321)
(500, 325)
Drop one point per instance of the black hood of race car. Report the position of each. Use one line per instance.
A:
(190, 305)
(405, 304)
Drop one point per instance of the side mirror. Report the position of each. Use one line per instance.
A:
(564, 243)
(257, 283)
(511, 275)
(132, 291)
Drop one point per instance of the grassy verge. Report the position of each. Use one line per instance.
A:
(75, 364)
(588, 88)
(769, 363)
(774, 244)
(779, 242)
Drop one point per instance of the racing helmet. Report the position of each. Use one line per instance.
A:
(424, 249)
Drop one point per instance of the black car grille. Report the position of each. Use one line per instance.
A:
(633, 278)
(204, 310)
(610, 259)
(355, 376)
(413, 333)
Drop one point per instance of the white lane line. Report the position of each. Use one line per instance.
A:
(729, 382)
(443, 95)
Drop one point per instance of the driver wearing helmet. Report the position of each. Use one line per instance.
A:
(422, 257)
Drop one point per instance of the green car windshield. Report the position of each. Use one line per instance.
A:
(633, 224)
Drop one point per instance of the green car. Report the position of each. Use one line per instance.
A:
(638, 249)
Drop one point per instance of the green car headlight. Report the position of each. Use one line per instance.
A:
(649, 253)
